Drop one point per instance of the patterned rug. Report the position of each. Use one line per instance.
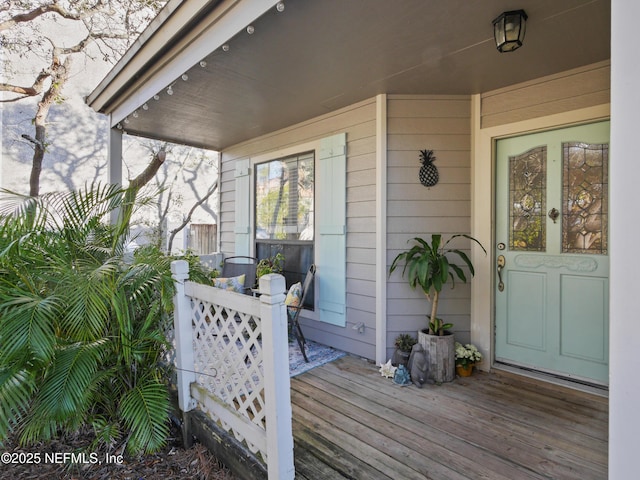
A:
(316, 353)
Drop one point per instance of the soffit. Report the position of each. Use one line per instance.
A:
(321, 55)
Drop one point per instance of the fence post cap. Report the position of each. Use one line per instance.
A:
(180, 267)
(272, 284)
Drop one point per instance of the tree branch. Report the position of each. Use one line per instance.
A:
(53, 7)
(149, 172)
(29, 138)
(187, 219)
(59, 76)
(80, 46)
(32, 91)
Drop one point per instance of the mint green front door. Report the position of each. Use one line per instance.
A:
(551, 250)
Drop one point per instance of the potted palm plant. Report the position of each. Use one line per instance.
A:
(427, 266)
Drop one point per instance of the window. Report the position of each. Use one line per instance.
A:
(284, 199)
(284, 214)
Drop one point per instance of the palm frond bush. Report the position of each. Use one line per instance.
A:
(81, 332)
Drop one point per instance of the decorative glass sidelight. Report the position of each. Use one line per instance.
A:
(527, 198)
(585, 195)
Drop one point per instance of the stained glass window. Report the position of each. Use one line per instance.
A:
(585, 197)
(527, 198)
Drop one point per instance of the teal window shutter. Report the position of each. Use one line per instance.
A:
(243, 207)
(331, 196)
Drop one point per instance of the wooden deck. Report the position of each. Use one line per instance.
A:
(349, 422)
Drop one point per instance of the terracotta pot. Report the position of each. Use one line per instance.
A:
(464, 370)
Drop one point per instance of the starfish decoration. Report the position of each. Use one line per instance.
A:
(387, 370)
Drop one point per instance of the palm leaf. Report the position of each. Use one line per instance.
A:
(17, 385)
(67, 392)
(27, 325)
(435, 243)
(80, 329)
(465, 259)
(459, 272)
(88, 295)
(145, 410)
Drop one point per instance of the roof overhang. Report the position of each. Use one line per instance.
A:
(320, 55)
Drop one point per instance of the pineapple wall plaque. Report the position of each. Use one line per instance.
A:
(428, 171)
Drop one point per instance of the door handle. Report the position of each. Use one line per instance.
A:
(501, 264)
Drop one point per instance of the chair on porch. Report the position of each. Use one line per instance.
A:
(239, 265)
(295, 303)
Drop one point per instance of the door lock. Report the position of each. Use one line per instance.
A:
(554, 214)
(501, 264)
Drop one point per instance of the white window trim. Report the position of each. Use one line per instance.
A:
(313, 146)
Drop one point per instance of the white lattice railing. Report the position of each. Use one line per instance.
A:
(232, 363)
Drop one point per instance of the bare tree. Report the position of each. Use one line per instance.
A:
(102, 29)
(172, 234)
(184, 183)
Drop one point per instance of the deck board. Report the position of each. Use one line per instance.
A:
(349, 422)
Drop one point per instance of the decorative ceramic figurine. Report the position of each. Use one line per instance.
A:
(418, 365)
(387, 369)
(401, 376)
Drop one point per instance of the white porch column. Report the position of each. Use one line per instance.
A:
(381, 229)
(624, 310)
(115, 156)
(114, 166)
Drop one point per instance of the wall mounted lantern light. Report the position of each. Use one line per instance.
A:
(508, 30)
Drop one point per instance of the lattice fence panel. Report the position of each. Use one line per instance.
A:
(228, 363)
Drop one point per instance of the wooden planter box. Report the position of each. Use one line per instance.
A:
(440, 353)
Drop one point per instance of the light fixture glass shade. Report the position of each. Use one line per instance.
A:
(509, 29)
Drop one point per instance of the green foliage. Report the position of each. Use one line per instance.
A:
(81, 321)
(467, 354)
(426, 265)
(267, 265)
(405, 342)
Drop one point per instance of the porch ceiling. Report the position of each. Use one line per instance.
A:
(320, 55)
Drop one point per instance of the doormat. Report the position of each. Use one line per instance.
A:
(316, 353)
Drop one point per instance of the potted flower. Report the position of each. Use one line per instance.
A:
(427, 265)
(403, 343)
(466, 357)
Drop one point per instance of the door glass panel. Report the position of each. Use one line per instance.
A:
(527, 197)
(585, 193)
